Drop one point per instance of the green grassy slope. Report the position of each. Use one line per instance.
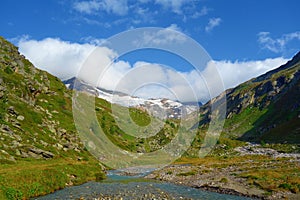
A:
(126, 136)
(266, 108)
(37, 133)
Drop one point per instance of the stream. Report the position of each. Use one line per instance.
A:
(120, 186)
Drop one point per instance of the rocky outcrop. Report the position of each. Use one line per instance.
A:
(35, 111)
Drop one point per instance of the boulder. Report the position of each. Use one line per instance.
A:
(20, 118)
(6, 129)
(11, 110)
(40, 152)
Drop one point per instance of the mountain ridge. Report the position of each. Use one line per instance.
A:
(160, 107)
(256, 97)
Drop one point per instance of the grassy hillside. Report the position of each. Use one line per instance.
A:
(37, 134)
(266, 108)
(124, 136)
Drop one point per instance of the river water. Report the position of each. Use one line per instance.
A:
(119, 186)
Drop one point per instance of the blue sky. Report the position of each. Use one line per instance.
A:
(234, 35)
(238, 35)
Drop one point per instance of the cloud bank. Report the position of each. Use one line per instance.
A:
(63, 59)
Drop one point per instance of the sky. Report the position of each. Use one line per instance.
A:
(243, 39)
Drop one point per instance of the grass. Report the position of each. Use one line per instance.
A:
(269, 174)
(140, 117)
(224, 180)
(189, 173)
(133, 129)
(243, 122)
(31, 178)
(282, 178)
(45, 103)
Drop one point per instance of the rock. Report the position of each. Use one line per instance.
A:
(52, 129)
(15, 144)
(11, 110)
(33, 155)
(59, 146)
(6, 156)
(40, 152)
(24, 154)
(16, 124)
(4, 152)
(44, 143)
(1, 93)
(18, 152)
(69, 146)
(45, 89)
(6, 129)
(20, 118)
(61, 132)
(19, 138)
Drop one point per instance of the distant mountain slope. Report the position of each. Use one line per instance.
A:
(266, 108)
(162, 108)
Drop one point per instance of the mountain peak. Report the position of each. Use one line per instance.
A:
(287, 65)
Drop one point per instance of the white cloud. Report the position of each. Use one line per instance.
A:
(234, 73)
(118, 7)
(88, 7)
(169, 35)
(276, 45)
(60, 58)
(64, 59)
(212, 23)
(204, 11)
(136, 12)
(174, 5)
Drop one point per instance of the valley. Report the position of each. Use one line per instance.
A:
(41, 151)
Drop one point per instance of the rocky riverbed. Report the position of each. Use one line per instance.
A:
(234, 175)
(122, 187)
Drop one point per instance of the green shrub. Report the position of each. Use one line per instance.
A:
(13, 194)
(286, 186)
(8, 70)
(100, 176)
(224, 180)
(190, 173)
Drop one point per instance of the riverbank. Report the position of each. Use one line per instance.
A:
(257, 176)
(30, 178)
(118, 186)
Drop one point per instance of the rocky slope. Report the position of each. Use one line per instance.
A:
(266, 108)
(35, 111)
(40, 151)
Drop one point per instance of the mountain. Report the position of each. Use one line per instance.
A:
(162, 108)
(37, 131)
(266, 108)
